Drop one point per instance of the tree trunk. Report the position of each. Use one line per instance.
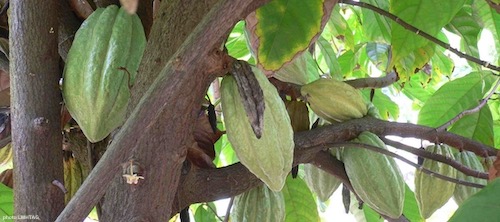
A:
(36, 107)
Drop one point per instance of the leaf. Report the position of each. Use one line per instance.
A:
(410, 210)
(454, 97)
(328, 56)
(376, 28)
(366, 214)
(378, 54)
(282, 29)
(426, 15)
(338, 27)
(6, 201)
(465, 26)
(477, 126)
(386, 107)
(490, 19)
(236, 43)
(204, 214)
(300, 71)
(484, 204)
(299, 201)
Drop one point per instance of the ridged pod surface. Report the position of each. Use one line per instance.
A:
(334, 100)
(101, 64)
(468, 159)
(270, 157)
(431, 192)
(375, 177)
(320, 182)
(73, 177)
(299, 115)
(259, 204)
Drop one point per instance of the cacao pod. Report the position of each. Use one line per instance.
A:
(270, 157)
(469, 160)
(488, 162)
(431, 192)
(320, 182)
(73, 177)
(334, 100)
(299, 115)
(259, 204)
(101, 64)
(375, 177)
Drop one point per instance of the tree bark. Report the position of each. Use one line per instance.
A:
(172, 103)
(36, 129)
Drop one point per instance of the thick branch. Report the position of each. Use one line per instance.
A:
(186, 76)
(198, 186)
(36, 132)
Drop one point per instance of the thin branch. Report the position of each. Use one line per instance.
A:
(469, 111)
(228, 211)
(409, 162)
(440, 158)
(379, 82)
(421, 33)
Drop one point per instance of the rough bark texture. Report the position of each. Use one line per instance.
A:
(170, 105)
(36, 132)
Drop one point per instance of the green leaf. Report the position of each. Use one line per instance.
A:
(477, 126)
(386, 107)
(410, 210)
(366, 214)
(299, 201)
(378, 54)
(427, 15)
(237, 42)
(376, 28)
(454, 97)
(328, 56)
(490, 19)
(6, 201)
(465, 26)
(300, 71)
(281, 29)
(338, 27)
(225, 154)
(205, 214)
(484, 205)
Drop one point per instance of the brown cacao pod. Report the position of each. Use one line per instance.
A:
(299, 115)
(259, 204)
(334, 100)
(270, 157)
(431, 192)
(375, 177)
(470, 160)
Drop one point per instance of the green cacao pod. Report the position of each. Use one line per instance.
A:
(259, 204)
(488, 162)
(334, 100)
(73, 177)
(101, 65)
(375, 177)
(468, 159)
(270, 157)
(320, 182)
(431, 192)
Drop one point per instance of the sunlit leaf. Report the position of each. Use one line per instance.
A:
(300, 71)
(328, 56)
(299, 201)
(465, 26)
(477, 126)
(376, 28)
(338, 28)
(490, 19)
(282, 29)
(426, 15)
(206, 213)
(454, 97)
(6, 201)
(378, 54)
(410, 210)
(365, 214)
(237, 43)
(386, 107)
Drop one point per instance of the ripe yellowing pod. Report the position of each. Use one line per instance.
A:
(101, 64)
(333, 100)
(270, 157)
